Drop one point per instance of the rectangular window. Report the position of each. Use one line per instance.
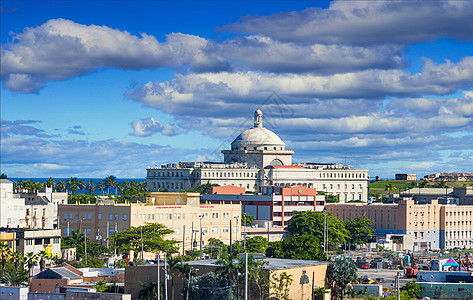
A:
(215, 229)
(183, 216)
(177, 230)
(99, 216)
(124, 217)
(134, 217)
(29, 242)
(139, 217)
(89, 216)
(204, 230)
(70, 216)
(38, 241)
(170, 216)
(110, 217)
(225, 229)
(89, 231)
(115, 217)
(47, 241)
(65, 218)
(235, 228)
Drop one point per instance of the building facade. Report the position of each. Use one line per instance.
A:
(41, 207)
(433, 225)
(449, 177)
(406, 177)
(274, 203)
(12, 206)
(258, 157)
(184, 213)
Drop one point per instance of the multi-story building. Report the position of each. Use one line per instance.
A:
(184, 213)
(35, 240)
(41, 207)
(12, 206)
(433, 225)
(258, 157)
(274, 203)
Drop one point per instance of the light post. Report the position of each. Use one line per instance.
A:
(200, 216)
(189, 282)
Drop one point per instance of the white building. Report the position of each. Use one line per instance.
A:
(41, 207)
(258, 157)
(12, 206)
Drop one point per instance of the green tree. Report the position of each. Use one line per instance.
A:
(50, 182)
(5, 252)
(340, 272)
(101, 186)
(312, 223)
(90, 187)
(15, 277)
(247, 220)
(216, 248)
(61, 186)
(72, 184)
(149, 291)
(81, 185)
(110, 182)
(411, 185)
(390, 188)
(153, 239)
(332, 198)
(228, 268)
(423, 183)
(31, 259)
(3, 176)
(305, 247)
(412, 289)
(441, 184)
(256, 244)
(359, 229)
(280, 285)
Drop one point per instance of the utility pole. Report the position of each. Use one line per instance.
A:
(158, 289)
(325, 228)
(141, 234)
(184, 240)
(165, 278)
(201, 240)
(85, 245)
(246, 276)
(115, 248)
(108, 233)
(397, 285)
(231, 249)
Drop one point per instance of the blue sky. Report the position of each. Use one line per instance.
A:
(92, 88)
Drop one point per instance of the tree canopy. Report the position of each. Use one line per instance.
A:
(340, 272)
(306, 247)
(312, 223)
(359, 230)
(153, 239)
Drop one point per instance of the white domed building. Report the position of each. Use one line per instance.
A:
(258, 157)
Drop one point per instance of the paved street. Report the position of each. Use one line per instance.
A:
(388, 275)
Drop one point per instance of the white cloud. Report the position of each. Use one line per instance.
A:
(366, 22)
(149, 126)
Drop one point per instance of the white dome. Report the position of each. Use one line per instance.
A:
(256, 137)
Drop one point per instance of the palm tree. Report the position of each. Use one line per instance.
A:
(5, 251)
(43, 256)
(15, 277)
(101, 186)
(61, 186)
(18, 259)
(173, 265)
(72, 185)
(31, 260)
(390, 188)
(38, 186)
(50, 182)
(110, 182)
(81, 185)
(90, 186)
(228, 266)
(186, 271)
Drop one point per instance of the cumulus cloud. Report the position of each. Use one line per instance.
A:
(30, 157)
(149, 126)
(20, 127)
(76, 129)
(366, 22)
(208, 93)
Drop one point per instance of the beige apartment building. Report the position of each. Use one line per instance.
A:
(184, 213)
(434, 225)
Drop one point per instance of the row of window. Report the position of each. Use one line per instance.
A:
(88, 216)
(256, 148)
(42, 241)
(459, 214)
(342, 175)
(459, 223)
(214, 229)
(330, 187)
(178, 216)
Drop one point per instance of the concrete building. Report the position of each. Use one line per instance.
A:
(184, 213)
(305, 274)
(449, 177)
(406, 177)
(12, 206)
(41, 207)
(274, 203)
(433, 225)
(258, 157)
(35, 240)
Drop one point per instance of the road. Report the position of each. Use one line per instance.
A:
(388, 275)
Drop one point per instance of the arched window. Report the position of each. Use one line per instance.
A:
(276, 162)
